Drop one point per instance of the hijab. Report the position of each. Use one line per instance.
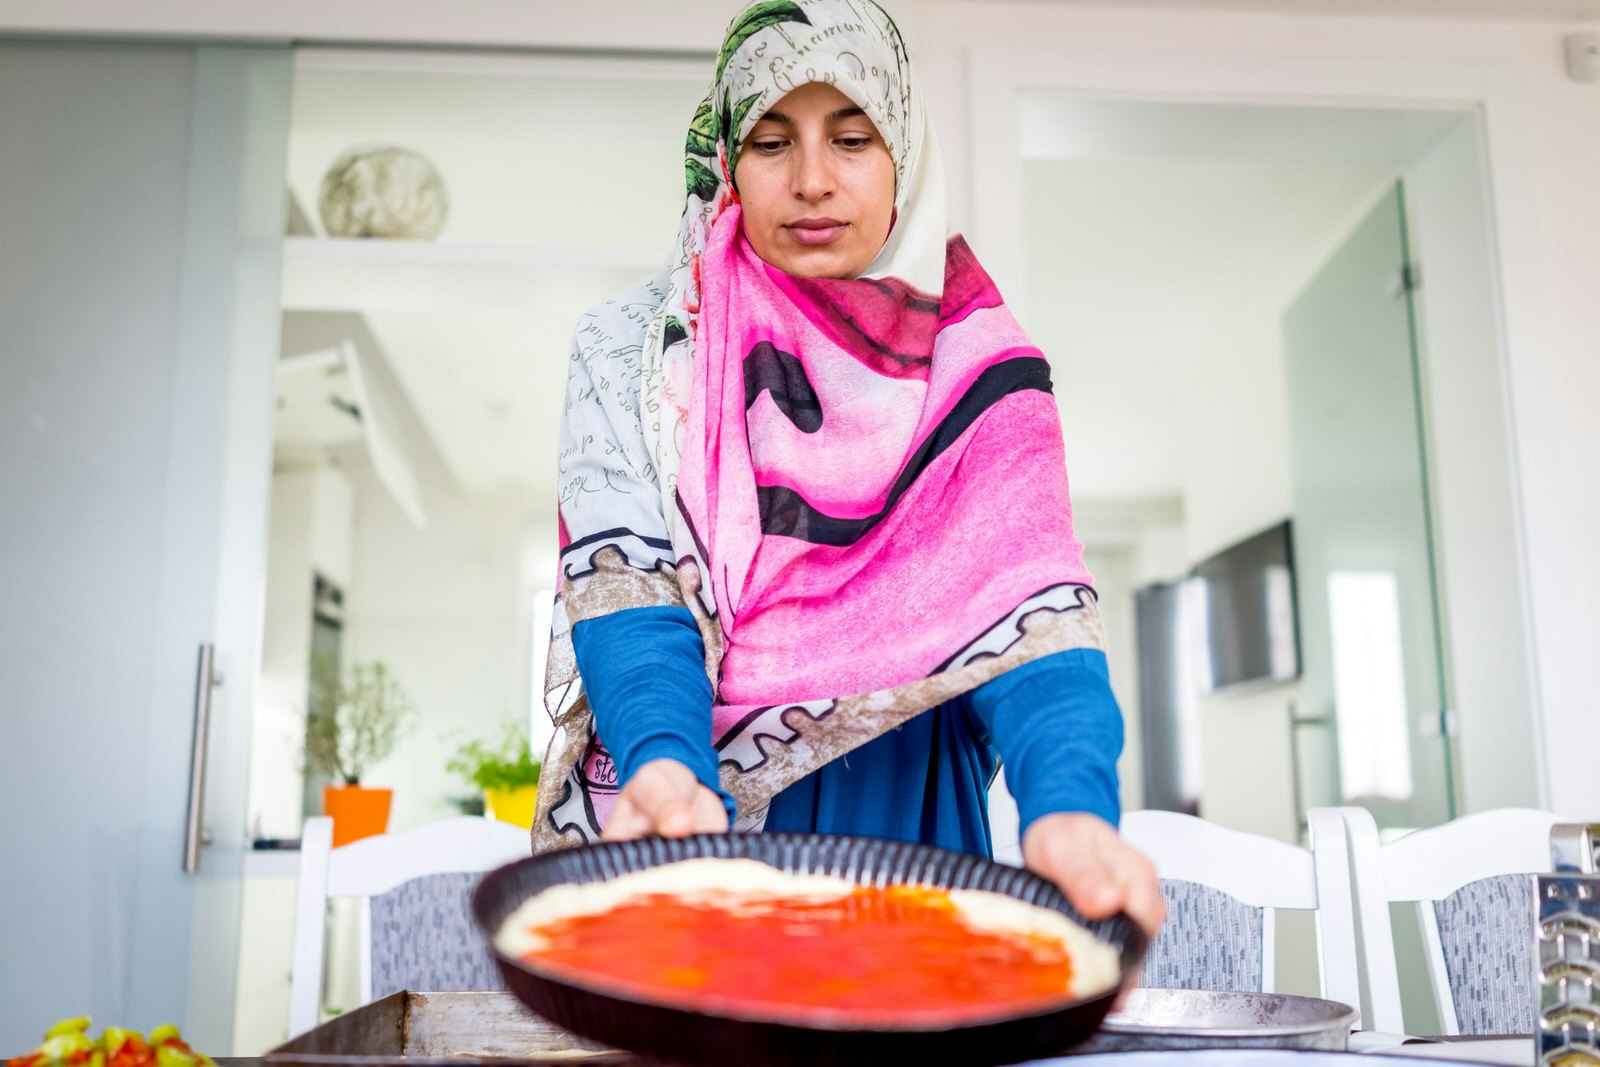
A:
(856, 486)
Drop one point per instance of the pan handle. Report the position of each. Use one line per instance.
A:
(206, 679)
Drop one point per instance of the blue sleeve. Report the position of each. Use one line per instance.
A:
(644, 671)
(1059, 732)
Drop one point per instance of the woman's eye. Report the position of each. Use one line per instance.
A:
(855, 143)
(769, 146)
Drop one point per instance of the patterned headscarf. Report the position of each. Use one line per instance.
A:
(856, 486)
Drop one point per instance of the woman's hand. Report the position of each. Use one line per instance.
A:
(1097, 871)
(664, 797)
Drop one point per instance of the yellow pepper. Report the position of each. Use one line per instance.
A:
(78, 1024)
(67, 1044)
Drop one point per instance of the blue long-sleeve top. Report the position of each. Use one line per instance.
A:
(1053, 721)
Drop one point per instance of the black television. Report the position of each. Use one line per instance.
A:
(1250, 611)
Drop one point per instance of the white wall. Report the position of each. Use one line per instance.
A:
(1473, 480)
(310, 533)
(449, 609)
(1236, 483)
(1236, 456)
(683, 25)
(266, 951)
(1115, 579)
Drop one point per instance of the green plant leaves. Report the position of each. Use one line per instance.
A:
(755, 19)
(507, 763)
(703, 131)
(701, 181)
(673, 332)
(355, 721)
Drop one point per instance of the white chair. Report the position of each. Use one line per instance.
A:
(421, 878)
(1222, 889)
(1468, 881)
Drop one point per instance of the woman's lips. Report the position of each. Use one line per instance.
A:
(816, 231)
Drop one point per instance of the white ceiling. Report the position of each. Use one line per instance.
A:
(1058, 125)
(1562, 10)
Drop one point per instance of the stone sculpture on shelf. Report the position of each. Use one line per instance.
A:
(383, 191)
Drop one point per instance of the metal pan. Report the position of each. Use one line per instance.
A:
(1245, 1057)
(409, 1029)
(716, 1040)
(1196, 1018)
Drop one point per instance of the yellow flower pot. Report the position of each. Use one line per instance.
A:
(514, 806)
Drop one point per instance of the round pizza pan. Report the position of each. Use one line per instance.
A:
(691, 1038)
(1199, 1018)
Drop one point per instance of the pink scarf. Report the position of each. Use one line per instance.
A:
(876, 480)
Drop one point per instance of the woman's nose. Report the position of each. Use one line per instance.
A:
(813, 177)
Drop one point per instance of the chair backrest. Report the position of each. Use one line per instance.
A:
(413, 924)
(1216, 879)
(1468, 881)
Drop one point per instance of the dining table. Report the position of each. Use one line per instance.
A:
(485, 1029)
(1514, 1051)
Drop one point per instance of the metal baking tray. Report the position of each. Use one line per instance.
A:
(442, 1030)
(1197, 1019)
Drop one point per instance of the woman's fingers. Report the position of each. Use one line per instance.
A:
(1098, 872)
(661, 791)
(676, 817)
(710, 817)
(1088, 876)
(664, 797)
(1145, 904)
(626, 823)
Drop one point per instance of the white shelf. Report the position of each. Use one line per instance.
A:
(376, 274)
(377, 251)
(272, 863)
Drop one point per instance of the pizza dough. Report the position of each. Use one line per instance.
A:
(742, 884)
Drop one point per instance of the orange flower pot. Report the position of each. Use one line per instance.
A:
(356, 811)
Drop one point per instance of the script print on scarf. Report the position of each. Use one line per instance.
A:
(857, 487)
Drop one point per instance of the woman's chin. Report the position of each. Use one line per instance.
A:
(818, 262)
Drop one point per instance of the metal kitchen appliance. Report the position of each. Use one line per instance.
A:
(1567, 946)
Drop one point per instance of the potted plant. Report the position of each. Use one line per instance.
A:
(354, 723)
(506, 772)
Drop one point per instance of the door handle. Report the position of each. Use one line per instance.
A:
(206, 679)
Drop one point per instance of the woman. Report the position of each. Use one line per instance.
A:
(818, 563)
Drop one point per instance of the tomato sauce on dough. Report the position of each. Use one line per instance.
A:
(879, 953)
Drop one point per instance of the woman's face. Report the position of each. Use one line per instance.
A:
(816, 185)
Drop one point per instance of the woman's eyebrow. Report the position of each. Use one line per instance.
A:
(832, 116)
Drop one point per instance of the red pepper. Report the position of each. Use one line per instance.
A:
(133, 1053)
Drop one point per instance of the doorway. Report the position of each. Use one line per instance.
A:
(1160, 248)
